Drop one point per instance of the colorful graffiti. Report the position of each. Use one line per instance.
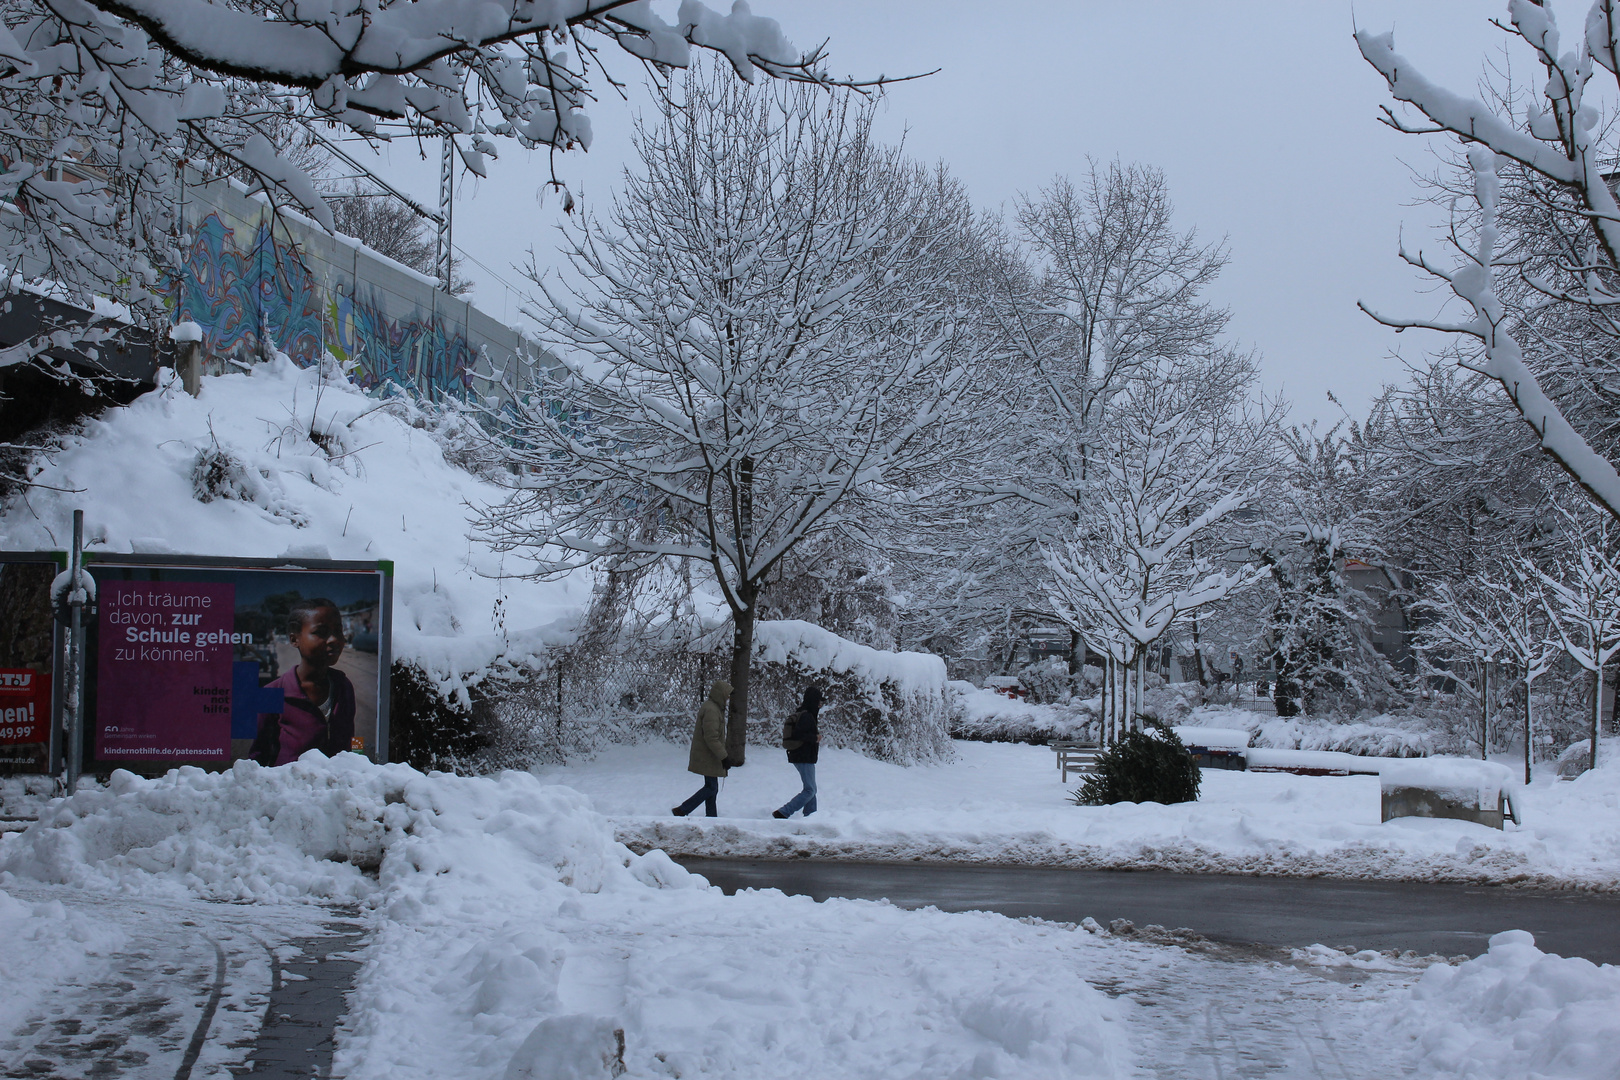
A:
(276, 290)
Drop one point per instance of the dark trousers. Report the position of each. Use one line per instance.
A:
(705, 795)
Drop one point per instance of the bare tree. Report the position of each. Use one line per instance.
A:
(757, 362)
(1146, 554)
(393, 230)
(1097, 290)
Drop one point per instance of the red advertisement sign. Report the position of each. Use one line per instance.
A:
(25, 706)
(164, 670)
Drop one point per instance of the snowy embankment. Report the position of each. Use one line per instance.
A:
(1005, 804)
(290, 462)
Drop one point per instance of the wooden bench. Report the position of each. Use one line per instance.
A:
(1076, 758)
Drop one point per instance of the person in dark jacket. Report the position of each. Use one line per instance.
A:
(801, 737)
(318, 709)
(708, 758)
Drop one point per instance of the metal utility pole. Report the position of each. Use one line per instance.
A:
(447, 193)
(73, 710)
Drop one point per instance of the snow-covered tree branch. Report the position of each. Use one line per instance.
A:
(104, 104)
(1558, 144)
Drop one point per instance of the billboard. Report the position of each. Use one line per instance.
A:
(26, 651)
(208, 661)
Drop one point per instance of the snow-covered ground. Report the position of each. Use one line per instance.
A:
(1006, 804)
(508, 935)
(312, 468)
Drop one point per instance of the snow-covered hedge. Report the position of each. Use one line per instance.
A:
(986, 716)
(891, 705)
(1380, 736)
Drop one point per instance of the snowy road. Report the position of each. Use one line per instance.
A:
(174, 987)
(1281, 912)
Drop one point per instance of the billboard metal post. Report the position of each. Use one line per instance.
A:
(75, 659)
(385, 662)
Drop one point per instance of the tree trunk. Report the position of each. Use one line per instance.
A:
(1077, 653)
(1597, 711)
(1529, 726)
(742, 655)
(1198, 653)
(1484, 710)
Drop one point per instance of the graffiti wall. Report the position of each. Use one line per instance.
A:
(255, 281)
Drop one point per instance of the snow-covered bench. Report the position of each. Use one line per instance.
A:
(1216, 748)
(1456, 788)
(1076, 757)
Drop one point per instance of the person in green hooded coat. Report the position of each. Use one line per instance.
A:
(708, 758)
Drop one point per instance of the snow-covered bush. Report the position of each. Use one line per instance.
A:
(891, 705)
(1152, 765)
(986, 716)
(1382, 736)
(1047, 682)
(1170, 703)
(219, 473)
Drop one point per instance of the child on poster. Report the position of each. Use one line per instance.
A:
(318, 713)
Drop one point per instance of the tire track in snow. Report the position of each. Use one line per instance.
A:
(183, 996)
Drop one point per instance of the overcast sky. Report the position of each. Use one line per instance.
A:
(1262, 115)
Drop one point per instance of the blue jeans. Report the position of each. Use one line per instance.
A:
(705, 795)
(805, 799)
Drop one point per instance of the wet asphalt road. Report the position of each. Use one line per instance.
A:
(1288, 912)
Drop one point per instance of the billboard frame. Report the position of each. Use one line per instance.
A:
(383, 568)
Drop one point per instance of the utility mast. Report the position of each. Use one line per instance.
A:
(447, 193)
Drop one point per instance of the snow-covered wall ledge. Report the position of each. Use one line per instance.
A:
(891, 705)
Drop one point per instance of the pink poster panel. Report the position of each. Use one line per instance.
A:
(164, 670)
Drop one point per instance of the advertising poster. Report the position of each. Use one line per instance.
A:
(209, 664)
(164, 670)
(25, 664)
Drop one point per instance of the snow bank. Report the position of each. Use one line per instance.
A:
(986, 716)
(888, 704)
(302, 831)
(289, 461)
(1513, 1012)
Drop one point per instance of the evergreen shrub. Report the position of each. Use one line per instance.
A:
(1143, 766)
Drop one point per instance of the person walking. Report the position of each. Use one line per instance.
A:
(708, 758)
(801, 738)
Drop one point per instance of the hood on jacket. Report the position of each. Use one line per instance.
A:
(720, 692)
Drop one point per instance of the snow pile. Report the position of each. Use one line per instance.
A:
(986, 716)
(296, 462)
(889, 704)
(305, 830)
(1513, 1012)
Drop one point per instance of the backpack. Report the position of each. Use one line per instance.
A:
(790, 729)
